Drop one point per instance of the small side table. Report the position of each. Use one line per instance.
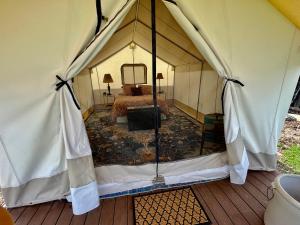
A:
(109, 99)
(162, 95)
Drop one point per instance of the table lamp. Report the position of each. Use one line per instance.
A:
(108, 79)
(159, 77)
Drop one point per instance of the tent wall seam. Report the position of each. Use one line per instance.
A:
(163, 36)
(67, 31)
(10, 162)
(101, 31)
(226, 18)
(282, 84)
(209, 44)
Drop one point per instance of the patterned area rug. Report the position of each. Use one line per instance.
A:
(112, 143)
(169, 208)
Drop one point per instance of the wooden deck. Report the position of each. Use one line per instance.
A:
(225, 204)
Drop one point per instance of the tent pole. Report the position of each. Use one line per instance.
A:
(90, 71)
(199, 91)
(99, 86)
(153, 25)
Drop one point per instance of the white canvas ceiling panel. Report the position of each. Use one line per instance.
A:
(163, 16)
(173, 45)
(117, 42)
(166, 26)
(163, 45)
(162, 53)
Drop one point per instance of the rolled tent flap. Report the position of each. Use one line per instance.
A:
(237, 156)
(83, 184)
(44, 150)
(252, 42)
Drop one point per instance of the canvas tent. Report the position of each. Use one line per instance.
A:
(45, 153)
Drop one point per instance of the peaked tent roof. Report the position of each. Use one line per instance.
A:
(173, 45)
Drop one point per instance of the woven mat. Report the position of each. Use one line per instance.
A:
(169, 208)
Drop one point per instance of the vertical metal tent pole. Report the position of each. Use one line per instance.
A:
(153, 26)
(90, 71)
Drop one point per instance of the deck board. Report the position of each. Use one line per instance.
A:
(130, 219)
(215, 207)
(250, 200)
(260, 177)
(27, 215)
(93, 217)
(17, 212)
(120, 217)
(108, 211)
(234, 214)
(256, 193)
(54, 213)
(40, 214)
(205, 206)
(224, 203)
(240, 203)
(66, 215)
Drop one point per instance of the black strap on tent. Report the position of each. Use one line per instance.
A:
(156, 119)
(61, 83)
(223, 91)
(99, 15)
(296, 93)
(171, 1)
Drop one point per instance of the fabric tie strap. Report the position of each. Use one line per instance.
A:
(60, 84)
(223, 91)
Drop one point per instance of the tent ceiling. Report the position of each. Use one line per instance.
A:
(173, 45)
(289, 8)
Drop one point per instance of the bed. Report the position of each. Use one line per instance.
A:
(119, 109)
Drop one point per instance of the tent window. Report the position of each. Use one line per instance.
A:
(134, 73)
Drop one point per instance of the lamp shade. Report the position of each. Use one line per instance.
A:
(107, 78)
(159, 76)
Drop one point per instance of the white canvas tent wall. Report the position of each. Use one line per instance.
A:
(45, 153)
(113, 64)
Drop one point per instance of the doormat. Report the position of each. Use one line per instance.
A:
(169, 208)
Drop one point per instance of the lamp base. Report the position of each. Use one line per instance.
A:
(108, 88)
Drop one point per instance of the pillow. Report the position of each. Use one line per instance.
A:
(136, 91)
(127, 89)
(146, 89)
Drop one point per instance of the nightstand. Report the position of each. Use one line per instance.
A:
(109, 99)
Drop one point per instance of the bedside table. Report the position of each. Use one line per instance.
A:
(109, 99)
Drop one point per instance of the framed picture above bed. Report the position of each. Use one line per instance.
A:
(134, 73)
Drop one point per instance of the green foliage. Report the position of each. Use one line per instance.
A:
(291, 157)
